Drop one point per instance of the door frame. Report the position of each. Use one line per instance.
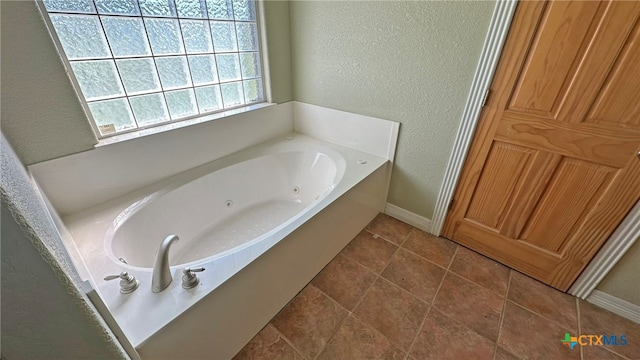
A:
(618, 243)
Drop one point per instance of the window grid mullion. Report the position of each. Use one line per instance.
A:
(186, 58)
(155, 64)
(113, 58)
(235, 29)
(215, 58)
(208, 21)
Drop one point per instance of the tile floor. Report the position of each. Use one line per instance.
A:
(396, 292)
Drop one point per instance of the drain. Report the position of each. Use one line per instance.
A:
(228, 203)
(362, 162)
(296, 190)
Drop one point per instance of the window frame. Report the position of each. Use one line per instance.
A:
(169, 124)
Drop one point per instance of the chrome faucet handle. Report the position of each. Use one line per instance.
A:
(189, 278)
(128, 283)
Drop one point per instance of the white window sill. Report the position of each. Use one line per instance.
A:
(179, 124)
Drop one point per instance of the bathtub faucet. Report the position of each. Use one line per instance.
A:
(161, 272)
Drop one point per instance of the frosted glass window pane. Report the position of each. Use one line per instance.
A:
(97, 79)
(80, 6)
(158, 8)
(164, 35)
(81, 36)
(247, 36)
(116, 112)
(197, 37)
(224, 36)
(232, 94)
(174, 72)
(138, 75)
(181, 103)
(209, 98)
(228, 67)
(250, 63)
(203, 69)
(220, 9)
(253, 90)
(126, 36)
(244, 9)
(117, 7)
(149, 109)
(191, 8)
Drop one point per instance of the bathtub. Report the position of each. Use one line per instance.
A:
(233, 216)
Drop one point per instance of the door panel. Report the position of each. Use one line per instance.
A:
(576, 186)
(512, 159)
(552, 169)
(554, 51)
(615, 108)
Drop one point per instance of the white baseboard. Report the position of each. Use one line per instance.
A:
(407, 216)
(615, 305)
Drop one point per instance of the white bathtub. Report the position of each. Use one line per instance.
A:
(226, 210)
(227, 213)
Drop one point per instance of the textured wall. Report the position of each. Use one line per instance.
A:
(44, 314)
(623, 281)
(41, 114)
(276, 13)
(407, 61)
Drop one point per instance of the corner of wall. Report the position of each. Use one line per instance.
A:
(278, 40)
(41, 113)
(43, 309)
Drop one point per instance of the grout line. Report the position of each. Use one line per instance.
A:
(504, 310)
(287, 341)
(381, 278)
(563, 327)
(378, 236)
(579, 325)
(321, 350)
(424, 258)
(580, 332)
(351, 312)
(554, 321)
(415, 338)
(431, 307)
(454, 255)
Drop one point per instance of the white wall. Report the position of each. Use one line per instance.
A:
(407, 61)
(41, 114)
(623, 281)
(44, 315)
(78, 181)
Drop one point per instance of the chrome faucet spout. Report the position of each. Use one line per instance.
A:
(161, 271)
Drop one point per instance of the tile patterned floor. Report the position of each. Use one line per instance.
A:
(396, 292)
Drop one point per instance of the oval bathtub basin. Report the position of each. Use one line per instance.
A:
(227, 213)
(224, 210)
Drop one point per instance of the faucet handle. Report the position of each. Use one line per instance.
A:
(128, 283)
(189, 278)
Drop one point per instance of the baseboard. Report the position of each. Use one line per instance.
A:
(407, 216)
(615, 305)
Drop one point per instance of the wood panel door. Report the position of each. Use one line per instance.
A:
(553, 167)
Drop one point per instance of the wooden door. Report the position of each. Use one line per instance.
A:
(553, 167)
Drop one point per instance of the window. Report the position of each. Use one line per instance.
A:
(142, 63)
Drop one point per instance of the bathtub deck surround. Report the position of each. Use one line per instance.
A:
(89, 200)
(396, 292)
(77, 182)
(276, 187)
